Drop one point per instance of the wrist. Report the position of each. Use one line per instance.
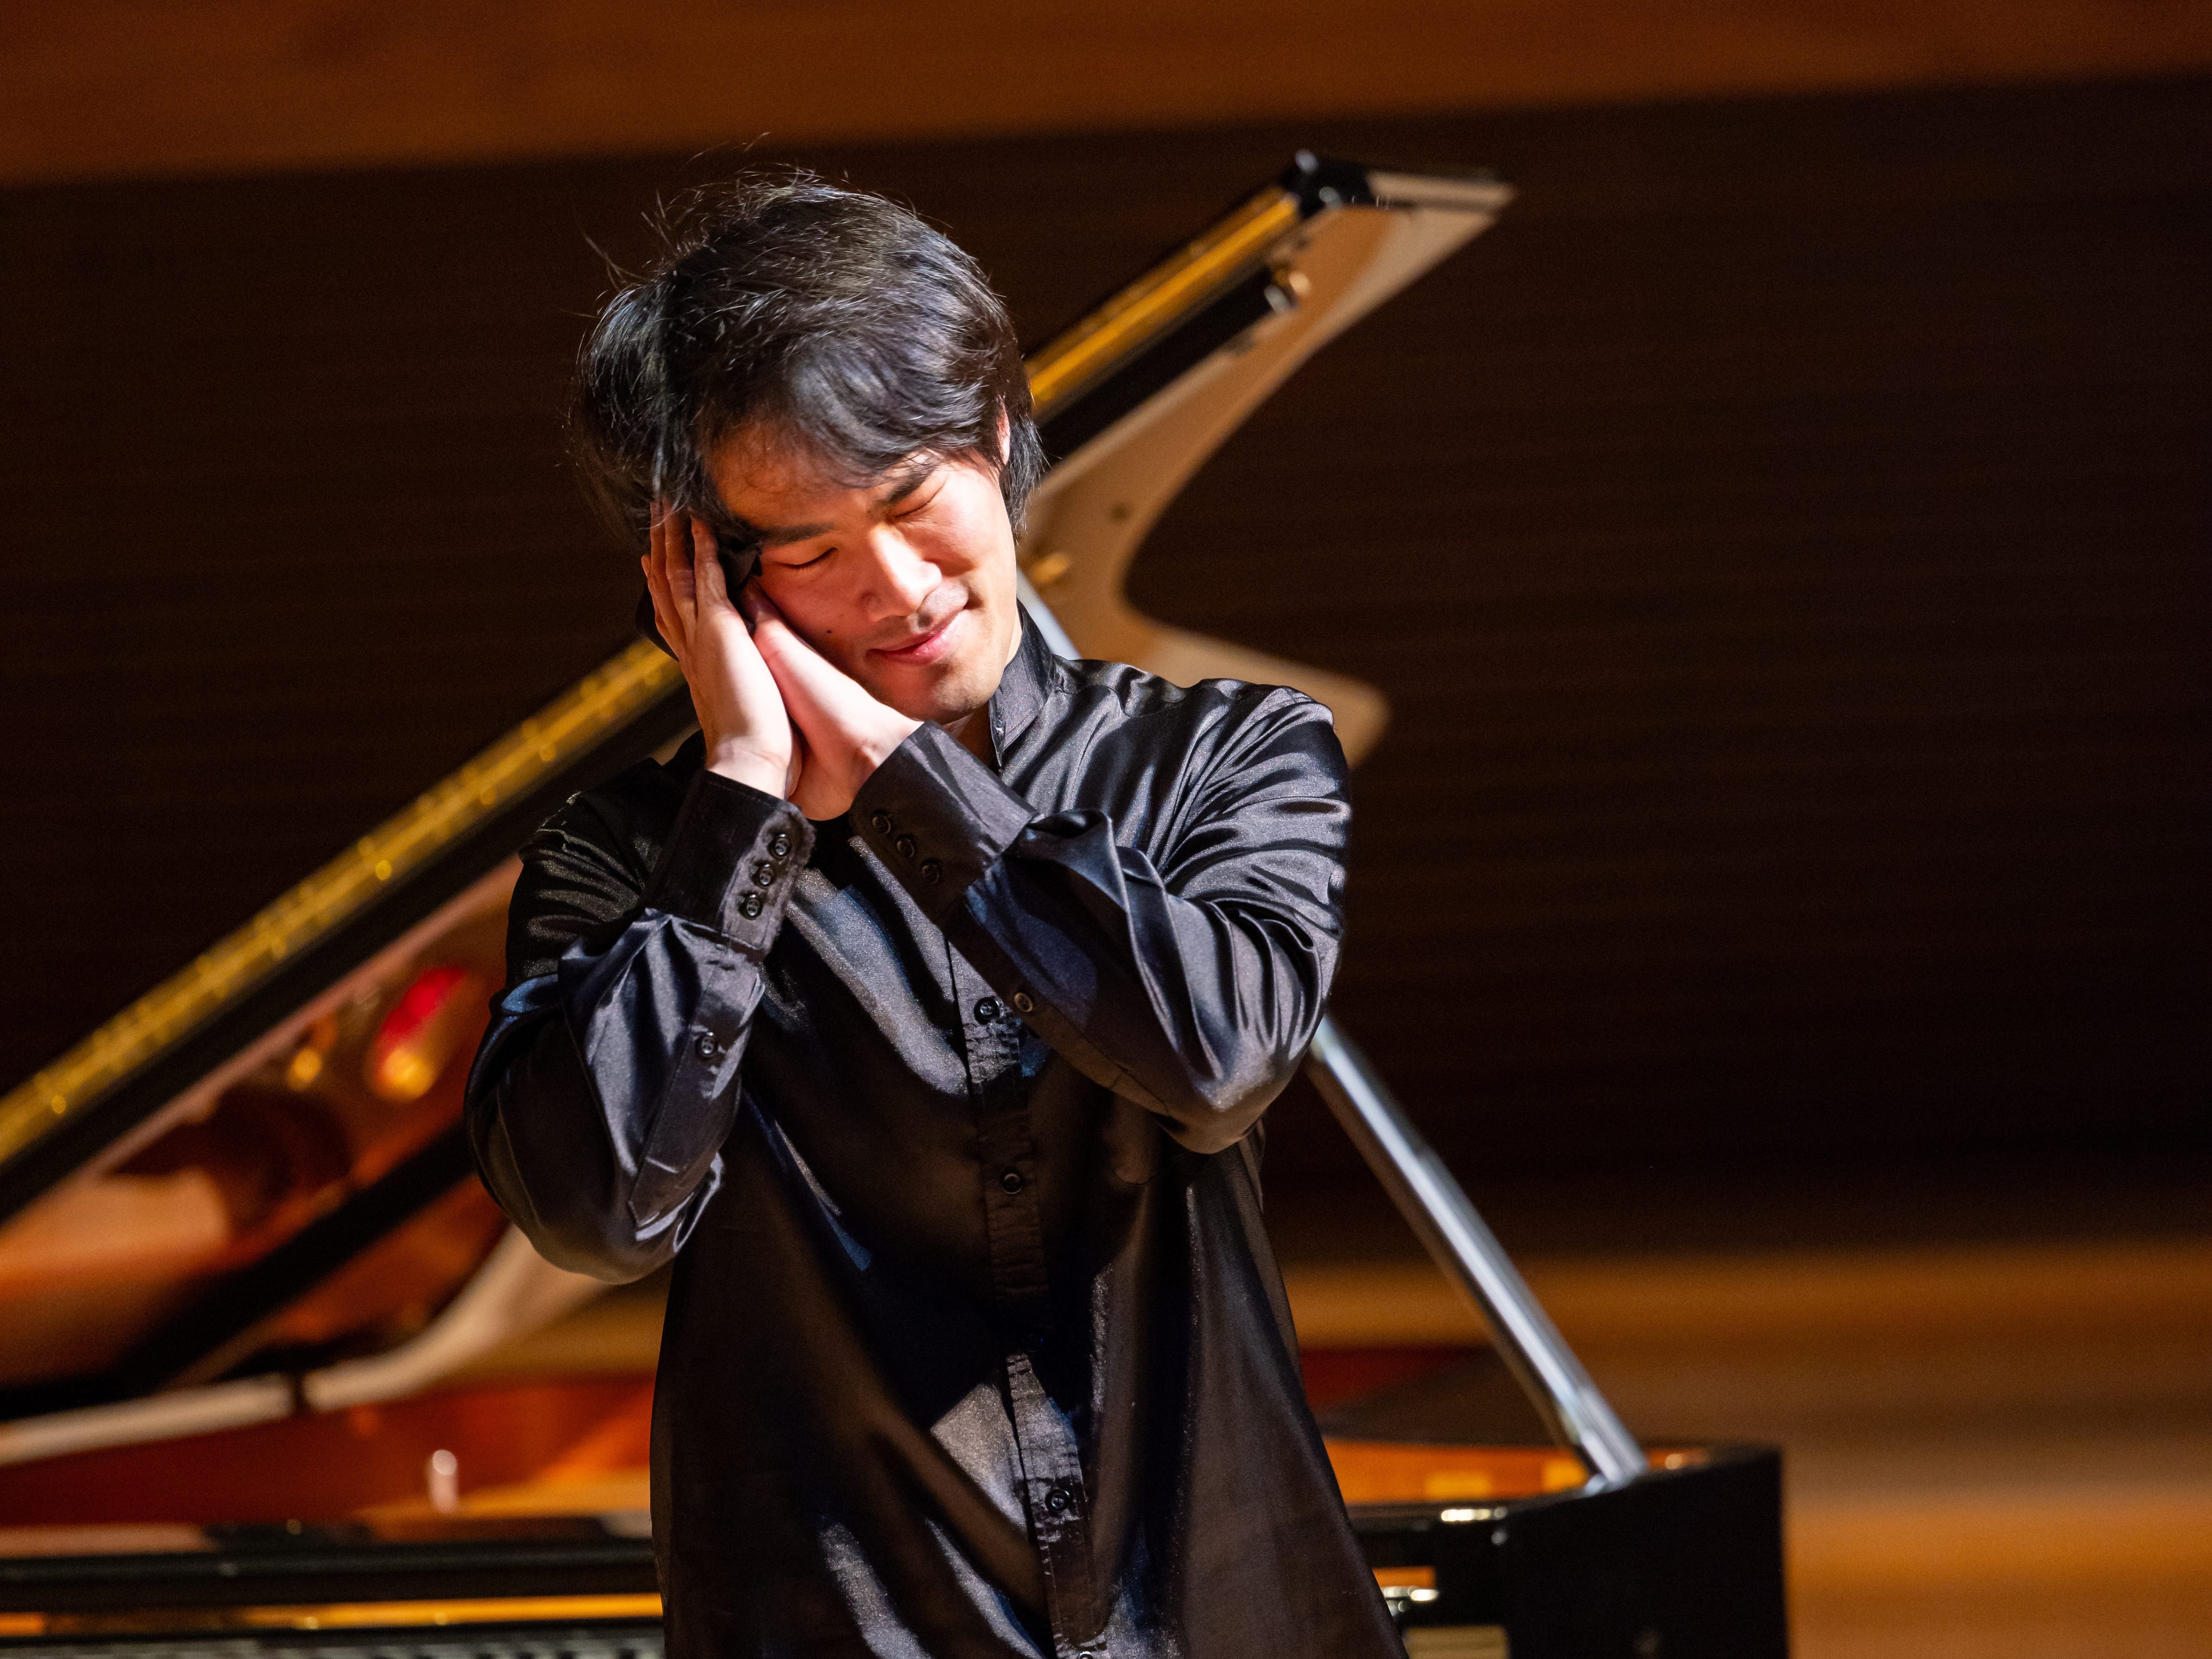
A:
(742, 763)
(881, 744)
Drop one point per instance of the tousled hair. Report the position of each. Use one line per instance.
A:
(830, 321)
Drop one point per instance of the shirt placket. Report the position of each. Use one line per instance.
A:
(1051, 1463)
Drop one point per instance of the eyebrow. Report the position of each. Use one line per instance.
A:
(767, 535)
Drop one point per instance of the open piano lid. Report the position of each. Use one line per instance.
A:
(247, 1197)
(206, 1168)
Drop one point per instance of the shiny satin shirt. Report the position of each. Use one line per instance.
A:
(947, 1114)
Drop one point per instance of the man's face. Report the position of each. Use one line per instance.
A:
(907, 584)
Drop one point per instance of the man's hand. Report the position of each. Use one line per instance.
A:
(845, 732)
(750, 737)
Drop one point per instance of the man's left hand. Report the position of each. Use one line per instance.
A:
(848, 732)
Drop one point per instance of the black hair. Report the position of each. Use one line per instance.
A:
(829, 319)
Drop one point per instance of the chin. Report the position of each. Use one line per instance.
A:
(943, 692)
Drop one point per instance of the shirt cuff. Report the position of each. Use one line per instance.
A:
(937, 818)
(731, 861)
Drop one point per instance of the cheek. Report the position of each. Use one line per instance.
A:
(815, 616)
(947, 542)
(973, 539)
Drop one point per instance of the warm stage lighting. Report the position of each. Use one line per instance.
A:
(421, 1034)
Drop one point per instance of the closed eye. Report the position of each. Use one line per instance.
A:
(802, 564)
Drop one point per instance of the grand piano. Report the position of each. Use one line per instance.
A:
(252, 1295)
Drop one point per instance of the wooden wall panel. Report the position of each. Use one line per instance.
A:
(108, 88)
(1784, 539)
(1787, 557)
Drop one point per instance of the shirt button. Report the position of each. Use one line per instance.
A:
(779, 845)
(709, 1046)
(749, 906)
(987, 1010)
(1011, 1182)
(1057, 1500)
(880, 822)
(1022, 1003)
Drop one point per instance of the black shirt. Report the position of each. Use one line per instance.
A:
(948, 1112)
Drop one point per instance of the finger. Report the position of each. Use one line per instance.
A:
(753, 604)
(735, 644)
(664, 617)
(657, 541)
(657, 558)
(706, 553)
(665, 614)
(772, 635)
(814, 688)
(777, 647)
(676, 564)
(656, 583)
(753, 600)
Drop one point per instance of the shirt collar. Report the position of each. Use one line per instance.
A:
(1022, 690)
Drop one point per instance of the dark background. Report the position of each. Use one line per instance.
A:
(1783, 541)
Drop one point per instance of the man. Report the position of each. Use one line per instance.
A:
(921, 1010)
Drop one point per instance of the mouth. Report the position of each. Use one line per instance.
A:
(919, 650)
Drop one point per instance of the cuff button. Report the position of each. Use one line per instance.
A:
(1022, 1003)
(930, 872)
(905, 846)
(880, 822)
(709, 1045)
(779, 845)
(764, 873)
(749, 906)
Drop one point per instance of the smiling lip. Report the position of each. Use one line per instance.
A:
(924, 649)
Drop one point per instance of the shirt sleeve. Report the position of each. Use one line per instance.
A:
(608, 1080)
(1191, 984)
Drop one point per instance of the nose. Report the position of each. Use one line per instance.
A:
(898, 580)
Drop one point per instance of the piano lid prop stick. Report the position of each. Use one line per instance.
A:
(1436, 1208)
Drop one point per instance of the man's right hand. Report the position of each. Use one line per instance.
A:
(750, 737)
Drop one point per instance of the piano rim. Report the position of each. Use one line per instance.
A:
(274, 1578)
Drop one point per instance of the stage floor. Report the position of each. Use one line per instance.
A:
(1993, 1450)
